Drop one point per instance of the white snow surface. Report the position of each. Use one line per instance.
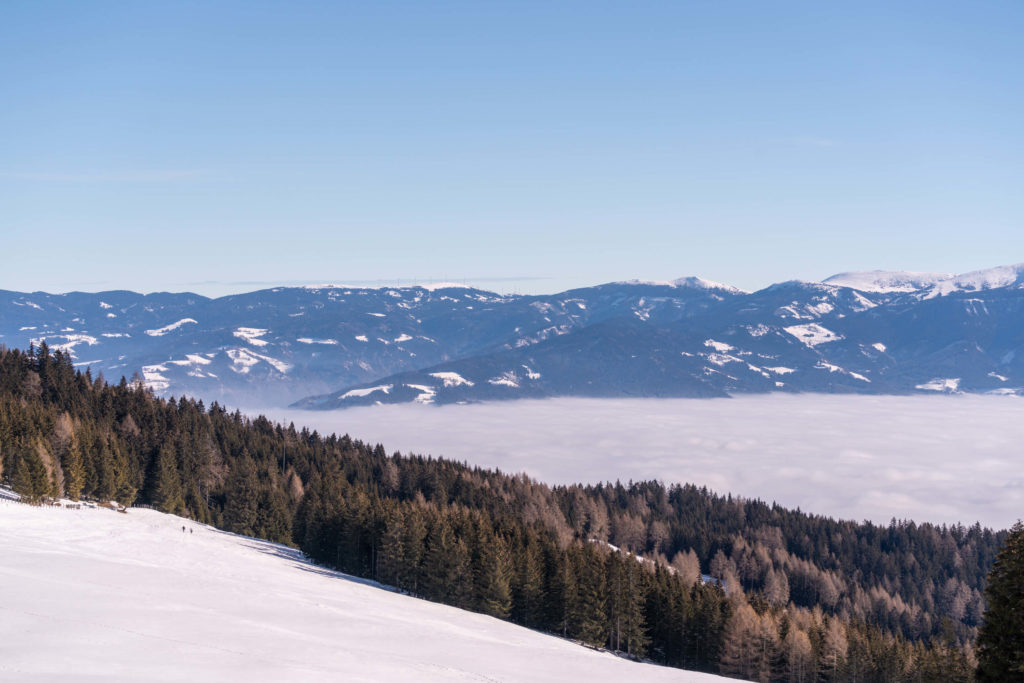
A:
(884, 281)
(129, 597)
(242, 361)
(813, 334)
(942, 458)
(154, 378)
(451, 379)
(251, 335)
(990, 278)
(359, 393)
(940, 384)
(690, 282)
(721, 347)
(507, 379)
(931, 284)
(161, 331)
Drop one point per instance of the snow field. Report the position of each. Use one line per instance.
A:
(130, 597)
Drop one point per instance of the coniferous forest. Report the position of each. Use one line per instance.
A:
(671, 573)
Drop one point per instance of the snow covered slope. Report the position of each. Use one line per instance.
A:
(887, 280)
(108, 596)
(929, 285)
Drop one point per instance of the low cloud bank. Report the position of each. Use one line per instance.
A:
(942, 459)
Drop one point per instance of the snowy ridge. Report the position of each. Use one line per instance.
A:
(885, 281)
(979, 280)
(930, 285)
(161, 331)
(690, 282)
(206, 605)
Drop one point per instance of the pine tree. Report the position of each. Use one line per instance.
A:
(392, 560)
(74, 470)
(528, 585)
(166, 485)
(241, 506)
(1001, 639)
(562, 593)
(633, 625)
(103, 465)
(740, 654)
(446, 572)
(588, 611)
(414, 535)
(492, 575)
(30, 478)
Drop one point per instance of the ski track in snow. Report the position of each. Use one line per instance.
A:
(91, 594)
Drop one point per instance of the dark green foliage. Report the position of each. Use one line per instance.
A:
(74, 470)
(588, 617)
(165, 487)
(1001, 641)
(492, 570)
(241, 503)
(30, 478)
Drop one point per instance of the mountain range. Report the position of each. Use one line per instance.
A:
(335, 346)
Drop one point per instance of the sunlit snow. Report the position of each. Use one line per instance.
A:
(95, 595)
(161, 331)
(251, 335)
(451, 379)
(813, 334)
(359, 393)
(951, 384)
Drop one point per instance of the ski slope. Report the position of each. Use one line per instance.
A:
(115, 597)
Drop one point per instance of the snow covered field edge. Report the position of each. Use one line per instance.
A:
(109, 596)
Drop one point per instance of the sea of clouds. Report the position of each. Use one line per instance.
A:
(943, 459)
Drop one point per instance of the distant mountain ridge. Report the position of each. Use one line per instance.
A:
(337, 346)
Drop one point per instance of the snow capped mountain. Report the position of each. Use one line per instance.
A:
(979, 280)
(131, 597)
(692, 282)
(701, 283)
(887, 281)
(929, 285)
(334, 346)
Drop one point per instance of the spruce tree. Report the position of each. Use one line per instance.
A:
(414, 534)
(528, 585)
(74, 470)
(1001, 639)
(241, 506)
(30, 478)
(391, 558)
(588, 612)
(167, 482)
(492, 574)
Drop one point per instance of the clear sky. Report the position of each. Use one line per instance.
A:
(529, 146)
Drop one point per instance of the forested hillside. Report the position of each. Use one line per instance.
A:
(805, 598)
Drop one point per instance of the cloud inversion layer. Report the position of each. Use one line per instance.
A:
(936, 458)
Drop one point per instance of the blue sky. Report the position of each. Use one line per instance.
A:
(524, 146)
